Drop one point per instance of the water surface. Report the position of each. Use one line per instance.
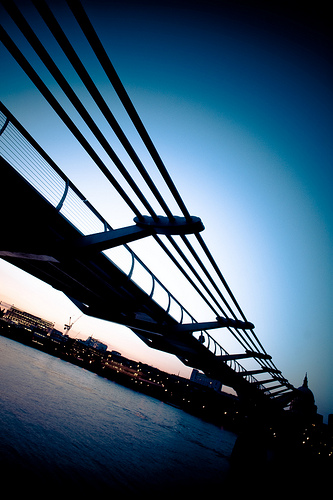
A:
(64, 427)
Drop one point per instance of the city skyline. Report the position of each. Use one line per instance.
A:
(239, 106)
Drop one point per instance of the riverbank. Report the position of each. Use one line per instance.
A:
(219, 408)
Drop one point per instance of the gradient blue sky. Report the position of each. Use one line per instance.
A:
(238, 102)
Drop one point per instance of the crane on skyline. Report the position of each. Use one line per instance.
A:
(71, 323)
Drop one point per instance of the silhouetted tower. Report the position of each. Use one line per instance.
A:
(304, 402)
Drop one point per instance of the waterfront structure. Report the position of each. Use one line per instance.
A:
(58, 337)
(23, 318)
(95, 344)
(202, 379)
(115, 353)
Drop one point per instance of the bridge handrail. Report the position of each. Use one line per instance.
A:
(19, 148)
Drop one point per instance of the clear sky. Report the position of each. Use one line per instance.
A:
(238, 102)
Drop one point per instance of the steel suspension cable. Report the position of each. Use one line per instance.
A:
(196, 274)
(239, 337)
(95, 43)
(64, 85)
(92, 37)
(186, 275)
(218, 272)
(77, 64)
(199, 261)
(238, 334)
(34, 77)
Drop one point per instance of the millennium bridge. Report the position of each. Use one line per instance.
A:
(54, 233)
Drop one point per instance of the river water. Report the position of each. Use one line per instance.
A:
(63, 428)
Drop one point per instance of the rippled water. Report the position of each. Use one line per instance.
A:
(64, 427)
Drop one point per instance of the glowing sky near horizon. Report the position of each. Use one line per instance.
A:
(239, 105)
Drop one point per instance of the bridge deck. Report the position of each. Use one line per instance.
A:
(40, 240)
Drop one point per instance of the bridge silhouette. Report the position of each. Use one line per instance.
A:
(54, 233)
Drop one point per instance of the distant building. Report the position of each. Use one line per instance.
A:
(19, 317)
(95, 344)
(202, 379)
(58, 337)
(115, 353)
(303, 403)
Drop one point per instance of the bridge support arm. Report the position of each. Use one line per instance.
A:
(247, 354)
(177, 226)
(257, 372)
(145, 227)
(109, 239)
(210, 325)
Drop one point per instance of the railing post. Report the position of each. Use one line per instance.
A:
(152, 288)
(132, 267)
(61, 202)
(169, 303)
(182, 313)
(3, 128)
